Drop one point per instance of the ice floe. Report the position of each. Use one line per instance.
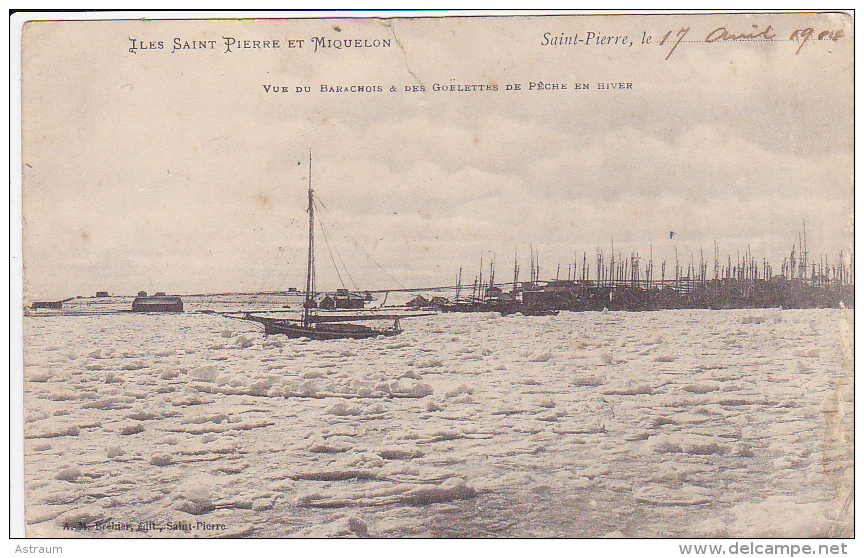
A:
(581, 424)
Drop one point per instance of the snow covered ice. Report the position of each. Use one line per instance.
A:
(677, 423)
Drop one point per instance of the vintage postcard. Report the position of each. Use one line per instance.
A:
(438, 276)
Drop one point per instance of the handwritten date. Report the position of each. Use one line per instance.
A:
(809, 34)
(757, 33)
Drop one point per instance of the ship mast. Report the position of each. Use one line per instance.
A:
(310, 259)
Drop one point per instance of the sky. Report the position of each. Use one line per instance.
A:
(178, 171)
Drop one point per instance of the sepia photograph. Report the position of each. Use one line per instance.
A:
(435, 275)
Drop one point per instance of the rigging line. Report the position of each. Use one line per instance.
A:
(263, 283)
(279, 276)
(271, 297)
(351, 279)
(357, 244)
(338, 255)
(327, 242)
(293, 258)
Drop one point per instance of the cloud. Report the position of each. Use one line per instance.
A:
(183, 173)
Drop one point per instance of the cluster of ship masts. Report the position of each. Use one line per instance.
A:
(636, 272)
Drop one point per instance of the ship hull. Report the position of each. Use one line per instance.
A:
(321, 331)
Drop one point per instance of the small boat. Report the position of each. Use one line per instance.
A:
(311, 326)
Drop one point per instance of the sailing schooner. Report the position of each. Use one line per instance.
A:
(312, 326)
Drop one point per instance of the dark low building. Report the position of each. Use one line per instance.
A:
(55, 305)
(345, 300)
(157, 303)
